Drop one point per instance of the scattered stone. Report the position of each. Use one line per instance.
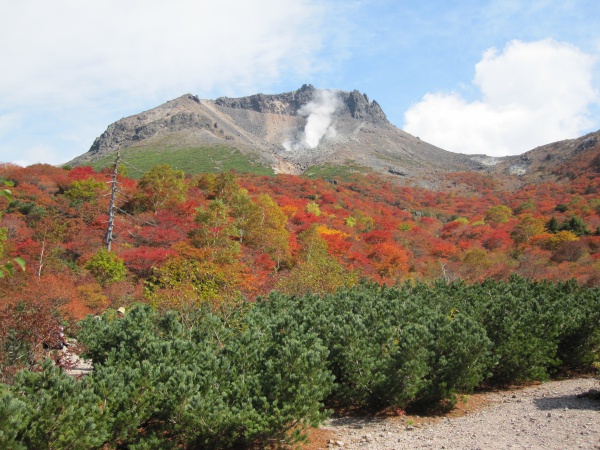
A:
(492, 427)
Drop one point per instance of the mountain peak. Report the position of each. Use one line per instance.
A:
(354, 103)
(288, 132)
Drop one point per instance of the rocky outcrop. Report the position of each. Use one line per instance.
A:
(358, 107)
(129, 131)
(287, 103)
(353, 103)
(553, 161)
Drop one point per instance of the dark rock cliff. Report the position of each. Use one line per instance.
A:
(354, 103)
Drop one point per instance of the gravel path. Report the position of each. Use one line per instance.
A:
(545, 416)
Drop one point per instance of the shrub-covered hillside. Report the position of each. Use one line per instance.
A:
(210, 238)
(259, 374)
(254, 303)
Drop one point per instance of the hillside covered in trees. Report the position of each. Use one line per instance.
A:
(181, 240)
(274, 288)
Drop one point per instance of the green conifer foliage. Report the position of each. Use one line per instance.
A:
(60, 412)
(460, 358)
(211, 383)
(11, 421)
(553, 226)
(577, 226)
(250, 375)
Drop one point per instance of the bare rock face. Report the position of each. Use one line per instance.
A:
(174, 116)
(287, 103)
(353, 103)
(359, 107)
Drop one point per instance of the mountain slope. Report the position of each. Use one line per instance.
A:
(551, 162)
(288, 132)
(314, 132)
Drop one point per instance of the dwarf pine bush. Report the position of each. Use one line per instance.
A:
(259, 374)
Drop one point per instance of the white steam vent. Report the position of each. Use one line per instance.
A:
(319, 115)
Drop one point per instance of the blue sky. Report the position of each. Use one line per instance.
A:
(494, 77)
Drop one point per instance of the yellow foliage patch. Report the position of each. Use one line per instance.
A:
(324, 231)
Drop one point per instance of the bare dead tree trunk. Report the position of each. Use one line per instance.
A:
(39, 274)
(111, 207)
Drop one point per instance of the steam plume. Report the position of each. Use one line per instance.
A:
(319, 120)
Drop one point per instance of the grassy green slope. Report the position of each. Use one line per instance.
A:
(344, 172)
(215, 158)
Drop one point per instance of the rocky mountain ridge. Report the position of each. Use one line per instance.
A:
(345, 127)
(294, 131)
(556, 160)
(354, 103)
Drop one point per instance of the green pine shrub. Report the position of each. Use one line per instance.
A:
(461, 355)
(11, 420)
(259, 374)
(58, 413)
(208, 383)
(579, 335)
(534, 326)
(386, 350)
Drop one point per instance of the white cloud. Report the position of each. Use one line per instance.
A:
(81, 62)
(72, 51)
(531, 94)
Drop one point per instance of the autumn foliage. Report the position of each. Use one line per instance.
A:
(286, 292)
(185, 241)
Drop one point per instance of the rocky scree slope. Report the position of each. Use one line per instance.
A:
(555, 161)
